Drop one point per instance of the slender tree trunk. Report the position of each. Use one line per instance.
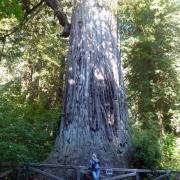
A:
(94, 117)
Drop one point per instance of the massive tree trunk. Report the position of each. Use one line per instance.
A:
(94, 117)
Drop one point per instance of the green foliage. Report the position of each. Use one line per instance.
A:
(146, 152)
(170, 152)
(10, 8)
(32, 71)
(26, 134)
(150, 53)
(149, 57)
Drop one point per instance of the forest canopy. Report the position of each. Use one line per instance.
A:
(32, 70)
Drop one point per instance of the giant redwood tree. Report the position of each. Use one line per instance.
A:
(94, 116)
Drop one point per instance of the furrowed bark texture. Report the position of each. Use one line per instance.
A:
(95, 117)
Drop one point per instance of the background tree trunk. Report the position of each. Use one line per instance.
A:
(95, 116)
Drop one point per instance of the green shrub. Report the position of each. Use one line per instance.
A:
(146, 153)
(26, 133)
(170, 149)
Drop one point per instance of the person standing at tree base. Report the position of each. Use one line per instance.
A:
(94, 167)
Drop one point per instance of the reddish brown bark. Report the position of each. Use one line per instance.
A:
(95, 116)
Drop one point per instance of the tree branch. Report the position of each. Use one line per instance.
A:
(53, 4)
(62, 18)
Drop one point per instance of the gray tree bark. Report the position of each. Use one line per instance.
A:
(95, 116)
